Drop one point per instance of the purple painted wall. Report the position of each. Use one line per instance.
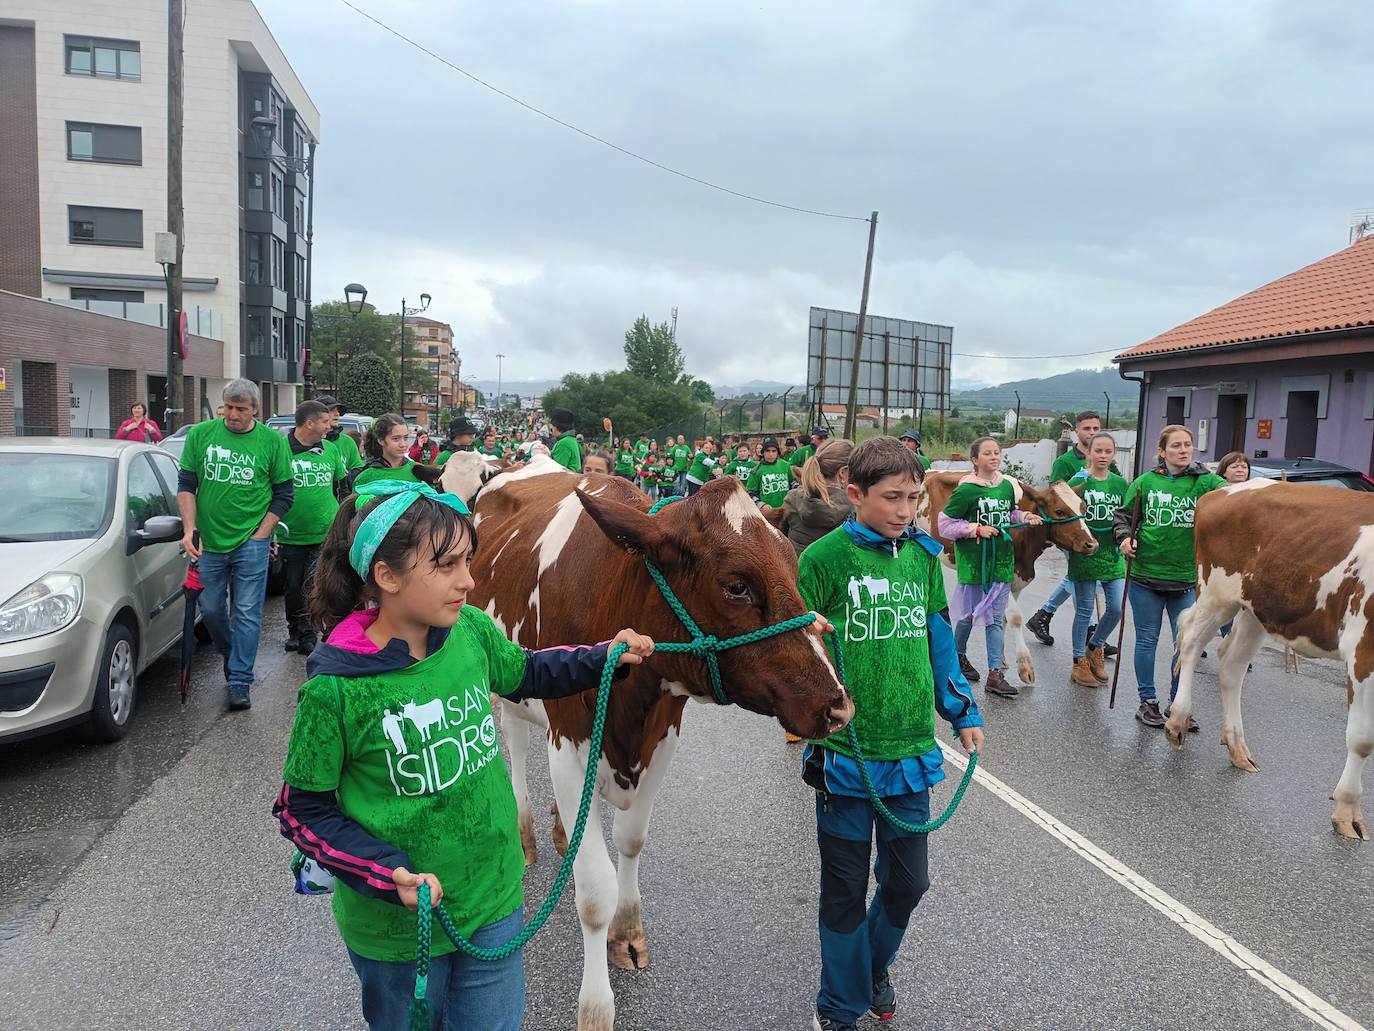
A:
(1344, 435)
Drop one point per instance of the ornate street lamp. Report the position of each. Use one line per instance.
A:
(355, 294)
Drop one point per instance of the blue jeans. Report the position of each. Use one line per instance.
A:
(1084, 595)
(992, 634)
(1147, 611)
(242, 574)
(857, 943)
(1061, 593)
(464, 994)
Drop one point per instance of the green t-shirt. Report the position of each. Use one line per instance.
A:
(348, 448)
(641, 448)
(648, 470)
(666, 476)
(740, 469)
(495, 452)
(236, 472)
(879, 605)
(315, 471)
(404, 472)
(798, 457)
(1101, 499)
(624, 462)
(682, 458)
(1069, 463)
(566, 452)
(702, 464)
(770, 482)
(413, 757)
(989, 506)
(1166, 523)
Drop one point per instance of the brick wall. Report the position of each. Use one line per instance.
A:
(123, 393)
(53, 335)
(20, 258)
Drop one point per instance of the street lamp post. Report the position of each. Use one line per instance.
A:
(424, 303)
(500, 401)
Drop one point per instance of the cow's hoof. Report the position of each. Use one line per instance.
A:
(1241, 758)
(1348, 821)
(596, 1016)
(1177, 731)
(1025, 669)
(628, 951)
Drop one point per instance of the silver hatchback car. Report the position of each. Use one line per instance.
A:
(90, 580)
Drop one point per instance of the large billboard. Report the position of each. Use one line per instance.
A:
(904, 365)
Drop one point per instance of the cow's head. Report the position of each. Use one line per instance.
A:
(1060, 501)
(465, 472)
(734, 573)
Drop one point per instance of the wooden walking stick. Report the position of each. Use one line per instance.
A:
(1125, 594)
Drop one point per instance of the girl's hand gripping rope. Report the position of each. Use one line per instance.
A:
(408, 885)
(637, 647)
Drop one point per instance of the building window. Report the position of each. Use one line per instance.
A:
(299, 212)
(277, 201)
(300, 338)
(278, 344)
(111, 227)
(115, 144)
(257, 260)
(103, 58)
(255, 192)
(278, 264)
(276, 119)
(300, 276)
(257, 335)
(300, 144)
(87, 293)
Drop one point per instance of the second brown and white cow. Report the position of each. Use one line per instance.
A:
(561, 562)
(1295, 561)
(1057, 501)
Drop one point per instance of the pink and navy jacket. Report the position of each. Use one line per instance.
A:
(312, 821)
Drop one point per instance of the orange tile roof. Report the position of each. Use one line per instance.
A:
(1332, 294)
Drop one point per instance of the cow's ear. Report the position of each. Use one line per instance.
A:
(627, 527)
(430, 474)
(774, 516)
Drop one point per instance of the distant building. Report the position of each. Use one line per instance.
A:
(1285, 371)
(1037, 418)
(434, 341)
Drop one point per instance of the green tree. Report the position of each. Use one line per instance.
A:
(337, 337)
(632, 402)
(652, 353)
(700, 389)
(366, 385)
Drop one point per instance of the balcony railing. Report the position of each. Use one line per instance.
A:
(203, 321)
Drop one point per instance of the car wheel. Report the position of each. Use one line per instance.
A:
(116, 688)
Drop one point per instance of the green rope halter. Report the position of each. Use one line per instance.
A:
(986, 568)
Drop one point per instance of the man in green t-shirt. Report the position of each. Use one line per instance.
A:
(878, 580)
(317, 469)
(911, 440)
(641, 448)
(348, 447)
(682, 461)
(819, 435)
(565, 450)
(234, 486)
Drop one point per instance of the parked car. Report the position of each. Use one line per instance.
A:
(175, 443)
(90, 577)
(284, 424)
(1311, 470)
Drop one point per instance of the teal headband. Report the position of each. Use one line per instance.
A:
(400, 495)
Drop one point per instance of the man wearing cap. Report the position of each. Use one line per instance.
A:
(912, 440)
(348, 447)
(461, 433)
(565, 450)
(819, 435)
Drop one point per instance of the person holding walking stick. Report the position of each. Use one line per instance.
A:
(1154, 529)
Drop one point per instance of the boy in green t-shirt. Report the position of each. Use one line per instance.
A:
(682, 461)
(771, 479)
(878, 581)
(234, 485)
(565, 450)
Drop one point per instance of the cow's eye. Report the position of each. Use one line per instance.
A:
(738, 590)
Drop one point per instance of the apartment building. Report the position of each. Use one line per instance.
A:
(434, 342)
(83, 155)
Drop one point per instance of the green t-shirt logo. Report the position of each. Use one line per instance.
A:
(436, 743)
(308, 472)
(225, 465)
(773, 483)
(1165, 509)
(1099, 505)
(994, 511)
(881, 609)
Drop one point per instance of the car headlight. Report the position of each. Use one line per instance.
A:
(43, 607)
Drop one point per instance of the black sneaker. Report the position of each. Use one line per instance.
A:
(307, 644)
(884, 1006)
(1109, 651)
(969, 671)
(1039, 626)
(1149, 714)
(819, 1023)
(238, 699)
(292, 642)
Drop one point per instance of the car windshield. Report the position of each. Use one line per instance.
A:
(55, 497)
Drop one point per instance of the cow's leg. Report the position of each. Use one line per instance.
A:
(628, 947)
(560, 836)
(1196, 627)
(595, 884)
(1347, 818)
(1247, 634)
(1014, 621)
(516, 730)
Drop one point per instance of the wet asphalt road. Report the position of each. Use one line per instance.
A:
(147, 887)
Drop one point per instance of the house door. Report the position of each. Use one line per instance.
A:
(157, 400)
(1230, 430)
(1301, 438)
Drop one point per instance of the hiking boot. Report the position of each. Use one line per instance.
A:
(1082, 674)
(1039, 626)
(819, 1023)
(997, 684)
(292, 642)
(1109, 651)
(238, 699)
(792, 738)
(884, 1005)
(969, 671)
(1097, 662)
(307, 644)
(1149, 714)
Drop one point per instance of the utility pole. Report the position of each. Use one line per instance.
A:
(673, 332)
(403, 359)
(308, 372)
(176, 385)
(1107, 423)
(852, 411)
(500, 401)
(1016, 433)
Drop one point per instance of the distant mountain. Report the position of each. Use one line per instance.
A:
(1082, 388)
(758, 386)
(525, 388)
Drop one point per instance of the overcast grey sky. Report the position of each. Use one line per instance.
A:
(1050, 178)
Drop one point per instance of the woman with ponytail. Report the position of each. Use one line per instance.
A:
(819, 503)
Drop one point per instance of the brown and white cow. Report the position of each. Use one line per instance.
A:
(1057, 501)
(561, 562)
(1295, 561)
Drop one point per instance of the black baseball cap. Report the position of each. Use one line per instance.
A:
(911, 435)
(330, 401)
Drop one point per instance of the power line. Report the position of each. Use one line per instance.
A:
(591, 135)
(1037, 357)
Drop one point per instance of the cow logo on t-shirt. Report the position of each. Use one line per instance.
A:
(881, 608)
(432, 745)
(308, 472)
(1166, 509)
(994, 511)
(1099, 505)
(225, 465)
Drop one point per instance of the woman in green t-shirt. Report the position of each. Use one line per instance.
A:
(1103, 492)
(386, 445)
(1154, 528)
(625, 459)
(978, 518)
(771, 479)
(394, 764)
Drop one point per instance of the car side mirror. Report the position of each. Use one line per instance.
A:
(161, 529)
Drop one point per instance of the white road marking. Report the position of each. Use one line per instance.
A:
(1311, 1006)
